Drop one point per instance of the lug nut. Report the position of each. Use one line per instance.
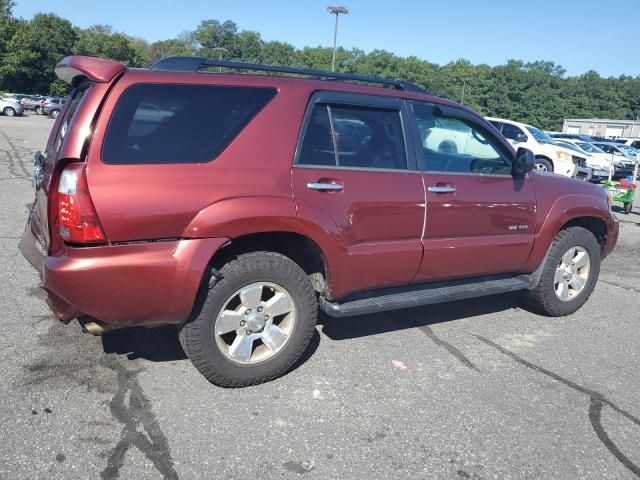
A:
(242, 323)
(260, 309)
(247, 311)
(266, 317)
(248, 332)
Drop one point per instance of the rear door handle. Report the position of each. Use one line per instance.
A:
(441, 189)
(325, 187)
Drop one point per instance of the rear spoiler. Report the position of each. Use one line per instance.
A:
(74, 68)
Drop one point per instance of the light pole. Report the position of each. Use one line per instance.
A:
(464, 83)
(335, 11)
(220, 50)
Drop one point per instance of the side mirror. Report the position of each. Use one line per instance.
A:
(520, 138)
(525, 161)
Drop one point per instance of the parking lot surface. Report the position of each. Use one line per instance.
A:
(477, 389)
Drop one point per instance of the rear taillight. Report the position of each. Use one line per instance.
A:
(44, 104)
(77, 217)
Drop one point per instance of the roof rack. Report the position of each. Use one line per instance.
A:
(194, 64)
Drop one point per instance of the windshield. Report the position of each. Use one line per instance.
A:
(627, 150)
(570, 146)
(588, 147)
(539, 135)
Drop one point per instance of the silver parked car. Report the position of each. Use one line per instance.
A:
(624, 157)
(10, 107)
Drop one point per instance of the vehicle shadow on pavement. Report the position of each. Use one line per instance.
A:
(161, 344)
(154, 344)
(366, 325)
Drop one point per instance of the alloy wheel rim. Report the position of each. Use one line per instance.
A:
(542, 167)
(9, 112)
(255, 323)
(572, 273)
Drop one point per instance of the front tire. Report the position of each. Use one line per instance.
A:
(543, 165)
(627, 207)
(255, 323)
(54, 114)
(37, 110)
(9, 112)
(569, 274)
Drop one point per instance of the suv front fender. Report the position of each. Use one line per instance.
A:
(562, 211)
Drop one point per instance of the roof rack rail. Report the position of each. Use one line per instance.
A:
(193, 64)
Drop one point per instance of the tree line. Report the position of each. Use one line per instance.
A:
(538, 93)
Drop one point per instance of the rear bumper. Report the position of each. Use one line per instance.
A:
(613, 229)
(124, 285)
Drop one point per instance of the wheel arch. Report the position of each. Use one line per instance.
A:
(570, 210)
(544, 157)
(298, 247)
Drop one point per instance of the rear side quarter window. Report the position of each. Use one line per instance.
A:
(154, 123)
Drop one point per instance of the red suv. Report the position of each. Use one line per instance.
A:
(236, 205)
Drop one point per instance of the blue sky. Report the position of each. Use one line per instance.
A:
(578, 34)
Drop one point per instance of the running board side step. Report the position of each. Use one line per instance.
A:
(426, 294)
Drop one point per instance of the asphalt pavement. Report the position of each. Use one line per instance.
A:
(478, 389)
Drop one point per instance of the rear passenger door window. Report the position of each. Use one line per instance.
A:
(455, 144)
(352, 136)
(511, 132)
(161, 123)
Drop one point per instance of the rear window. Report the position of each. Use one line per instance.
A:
(179, 123)
(76, 97)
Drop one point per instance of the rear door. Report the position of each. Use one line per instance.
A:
(45, 166)
(67, 142)
(480, 220)
(355, 175)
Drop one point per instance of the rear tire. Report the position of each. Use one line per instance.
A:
(628, 207)
(37, 110)
(9, 112)
(54, 114)
(228, 319)
(557, 279)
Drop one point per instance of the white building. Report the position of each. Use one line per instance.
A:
(600, 127)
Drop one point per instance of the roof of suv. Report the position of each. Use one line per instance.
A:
(74, 69)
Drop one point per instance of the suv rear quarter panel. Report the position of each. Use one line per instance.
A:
(155, 201)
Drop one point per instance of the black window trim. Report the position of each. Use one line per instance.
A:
(507, 149)
(346, 99)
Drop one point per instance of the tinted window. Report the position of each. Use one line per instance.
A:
(636, 144)
(76, 98)
(317, 147)
(512, 132)
(452, 144)
(179, 123)
(365, 138)
(368, 138)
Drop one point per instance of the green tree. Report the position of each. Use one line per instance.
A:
(101, 41)
(33, 52)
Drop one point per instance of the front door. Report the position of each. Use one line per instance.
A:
(352, 178)
(480, 220)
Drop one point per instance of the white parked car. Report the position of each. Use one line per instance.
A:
(549, 156)
(598, 160)
(10, 107)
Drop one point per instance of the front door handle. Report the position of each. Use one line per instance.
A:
(441, 189)
(325, 187)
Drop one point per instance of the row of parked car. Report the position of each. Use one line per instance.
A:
(40, 105)
(579, 156)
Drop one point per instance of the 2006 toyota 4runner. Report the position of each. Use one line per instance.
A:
(234, 206)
